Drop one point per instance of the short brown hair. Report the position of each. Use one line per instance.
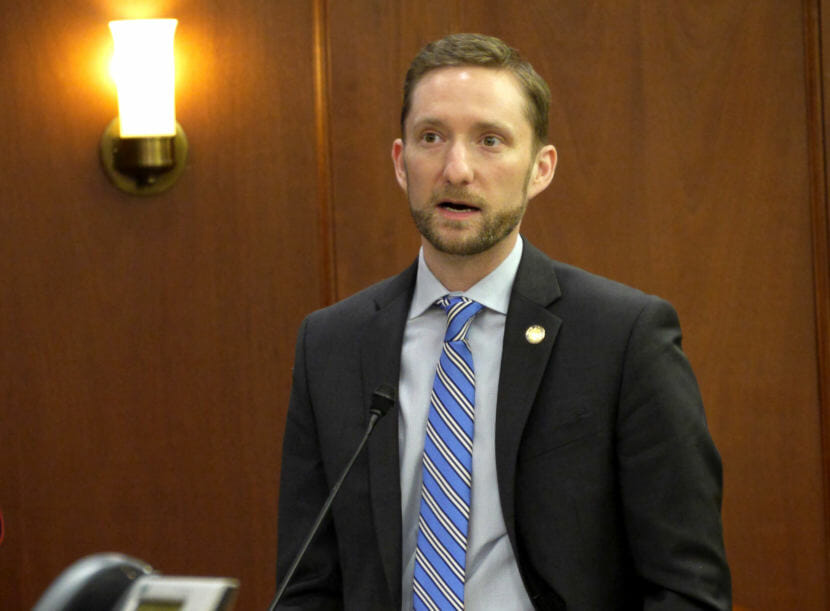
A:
(486, 51)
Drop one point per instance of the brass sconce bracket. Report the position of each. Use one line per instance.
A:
(143, 166)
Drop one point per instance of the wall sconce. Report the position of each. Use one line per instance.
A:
(144, 149)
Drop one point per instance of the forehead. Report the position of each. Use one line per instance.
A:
(474, 93)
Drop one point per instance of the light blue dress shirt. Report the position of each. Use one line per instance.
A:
(493, 580)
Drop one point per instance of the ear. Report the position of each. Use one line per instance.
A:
(544, 167)
(399, 163)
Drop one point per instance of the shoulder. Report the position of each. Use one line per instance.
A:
(356, 309)
(568, 288)
(580, 288)
(592, 310)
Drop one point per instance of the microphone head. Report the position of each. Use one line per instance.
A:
(382, 400)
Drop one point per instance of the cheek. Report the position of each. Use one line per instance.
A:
(508, 180)
(417, 175)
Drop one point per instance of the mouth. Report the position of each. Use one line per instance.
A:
(458, 206)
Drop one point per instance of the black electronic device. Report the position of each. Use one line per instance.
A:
(115, 582)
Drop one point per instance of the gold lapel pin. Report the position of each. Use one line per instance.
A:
(535, 334)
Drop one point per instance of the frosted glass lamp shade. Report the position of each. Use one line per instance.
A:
(144, 74)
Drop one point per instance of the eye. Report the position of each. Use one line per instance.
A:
(430, 137)
(490, 141)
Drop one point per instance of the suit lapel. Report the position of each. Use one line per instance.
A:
(523, 365)
(381, 362)
(522, 368)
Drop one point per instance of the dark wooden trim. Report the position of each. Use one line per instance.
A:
(817, 159)
(328, 270)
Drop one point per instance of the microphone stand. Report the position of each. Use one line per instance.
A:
(382, 399)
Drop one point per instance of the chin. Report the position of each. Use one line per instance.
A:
(461, 246)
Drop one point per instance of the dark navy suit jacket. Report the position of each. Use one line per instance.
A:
(609, 481)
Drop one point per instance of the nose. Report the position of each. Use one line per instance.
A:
(457, 168)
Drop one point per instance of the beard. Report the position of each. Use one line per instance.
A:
(446, 235)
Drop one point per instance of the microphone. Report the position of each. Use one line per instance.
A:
(382, 400)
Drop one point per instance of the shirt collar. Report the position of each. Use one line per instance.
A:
(492, 291)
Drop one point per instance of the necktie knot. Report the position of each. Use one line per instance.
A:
(460, 312)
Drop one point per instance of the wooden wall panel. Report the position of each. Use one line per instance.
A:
(683, 171)
(817, 22)
(370, 46)
(670, 118)
(146, 344)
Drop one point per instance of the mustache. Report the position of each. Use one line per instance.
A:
(452, 192)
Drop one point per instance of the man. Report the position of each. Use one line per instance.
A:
(556, 456)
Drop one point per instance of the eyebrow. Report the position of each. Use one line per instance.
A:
(479, 125)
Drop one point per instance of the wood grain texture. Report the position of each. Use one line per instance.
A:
(147, 343)
(683, 171)
(322, 104)
(817, 54)
(371, 45)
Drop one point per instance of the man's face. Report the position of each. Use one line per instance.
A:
(468, 163)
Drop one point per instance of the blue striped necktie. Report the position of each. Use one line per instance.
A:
(441, 552)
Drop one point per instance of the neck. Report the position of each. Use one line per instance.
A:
(460, 272)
